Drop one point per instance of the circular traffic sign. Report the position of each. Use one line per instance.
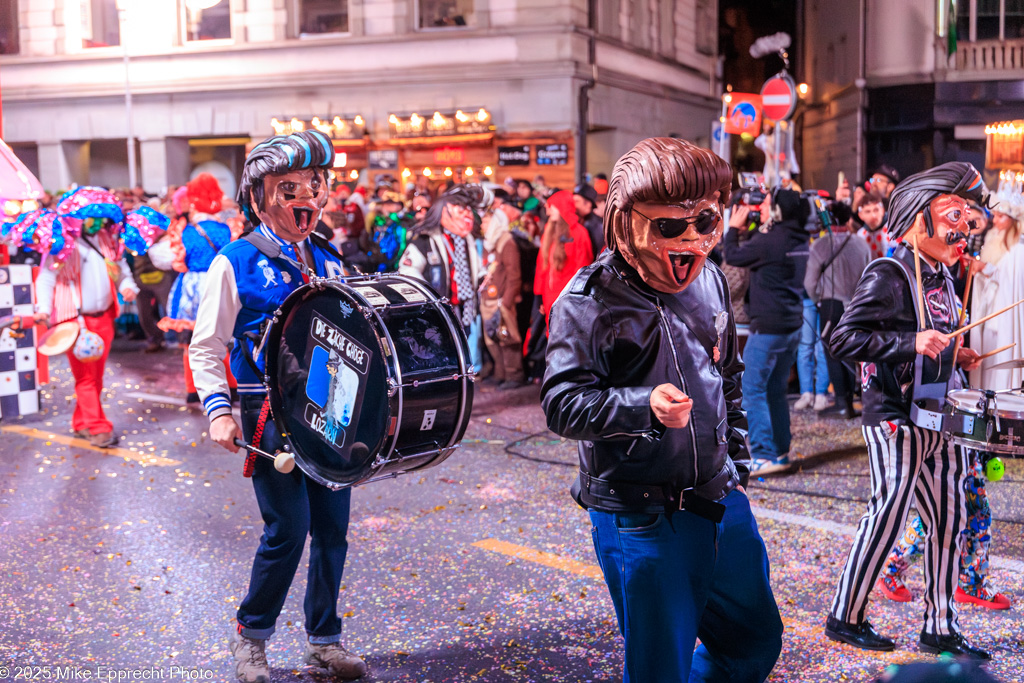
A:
(778, 97)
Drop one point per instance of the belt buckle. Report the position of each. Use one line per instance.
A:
(682, 498)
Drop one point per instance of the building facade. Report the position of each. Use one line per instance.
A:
(910, 84)
(484, 88)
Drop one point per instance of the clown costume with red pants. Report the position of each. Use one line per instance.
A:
(83, 288)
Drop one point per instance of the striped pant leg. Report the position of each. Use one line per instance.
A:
(894, 460)
(940, 500)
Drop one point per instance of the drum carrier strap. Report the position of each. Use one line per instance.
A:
(257, 437)
(929, 413)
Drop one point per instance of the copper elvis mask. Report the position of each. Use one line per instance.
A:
(293, 202)
(457, 220)
(668, 243)
(950, 218)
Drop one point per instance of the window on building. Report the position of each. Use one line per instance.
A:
(207, 19)
(990, 20)
(446, 13)
(312, 17)
(8, 27)
(100, 23)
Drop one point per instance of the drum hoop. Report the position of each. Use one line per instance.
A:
(278, 319)
(985, 446)
(1003, 413)
(388, 446)
(438, 302)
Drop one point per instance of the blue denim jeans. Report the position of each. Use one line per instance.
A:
(811, 362)
(292, 506)
(675, 577)
(768, 359)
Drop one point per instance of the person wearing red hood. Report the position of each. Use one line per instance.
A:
(564, 249)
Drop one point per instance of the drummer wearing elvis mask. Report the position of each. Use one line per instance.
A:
(907, 373)
(283, 190)
(643, 369)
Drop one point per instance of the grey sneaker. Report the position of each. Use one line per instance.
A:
(250, 659)
(336, 659)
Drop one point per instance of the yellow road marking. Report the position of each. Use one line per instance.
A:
(591, 571)
(804, 628)
(82, 443)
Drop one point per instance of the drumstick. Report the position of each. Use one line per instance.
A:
(957, 333)
(283, 462)
(999, 350)
(920, 289)
(967, 294)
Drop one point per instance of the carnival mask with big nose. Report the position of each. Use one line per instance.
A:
(457, 219)
(293, 202)
(950, 219)
(668, 243)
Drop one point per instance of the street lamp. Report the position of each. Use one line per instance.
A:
(122, 8)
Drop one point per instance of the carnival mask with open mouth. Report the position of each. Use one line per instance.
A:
(293, 202)
(670, 242)
(950, 220)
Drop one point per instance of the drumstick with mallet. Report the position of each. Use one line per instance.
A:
(283, 462)
(957, 333)
(999, 350)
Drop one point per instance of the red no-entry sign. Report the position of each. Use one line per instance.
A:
(778, 97)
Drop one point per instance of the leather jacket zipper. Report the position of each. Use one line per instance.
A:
(682, 379)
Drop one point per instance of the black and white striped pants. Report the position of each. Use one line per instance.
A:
(908, 465)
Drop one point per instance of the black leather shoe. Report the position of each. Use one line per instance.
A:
(849, 413)
(861, 635)
(955, 644)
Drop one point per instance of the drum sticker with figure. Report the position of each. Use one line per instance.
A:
(336, 382)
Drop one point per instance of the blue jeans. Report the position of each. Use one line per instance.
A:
(292, 506)
(768, 358)
(675, 577)
(811, 362)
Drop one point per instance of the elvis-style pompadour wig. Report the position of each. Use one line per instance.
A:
(277, 155)
(662, 170)
(914, 194)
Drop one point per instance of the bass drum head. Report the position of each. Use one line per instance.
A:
(328, 384)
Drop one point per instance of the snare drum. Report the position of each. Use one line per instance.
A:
(368, 377)
(995, 428)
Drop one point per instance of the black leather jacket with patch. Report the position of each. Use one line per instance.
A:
(879, 329)
(612, 341)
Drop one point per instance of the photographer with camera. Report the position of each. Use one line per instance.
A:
(776, 315)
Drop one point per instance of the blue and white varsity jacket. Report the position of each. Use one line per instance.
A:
(243, 288)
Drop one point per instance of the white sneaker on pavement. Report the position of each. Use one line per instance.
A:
(250, 659)
(338, 661)
(821, 402)
(804, 402)
(762, 466)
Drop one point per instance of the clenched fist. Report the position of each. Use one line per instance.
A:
(671, 406)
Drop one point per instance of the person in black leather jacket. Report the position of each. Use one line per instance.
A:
(777, 258)
(898, 330)
(643, 369)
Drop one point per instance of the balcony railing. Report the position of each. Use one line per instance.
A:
(990, 55)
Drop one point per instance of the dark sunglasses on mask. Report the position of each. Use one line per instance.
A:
(705, 222)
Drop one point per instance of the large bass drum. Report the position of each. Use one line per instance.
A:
(368, 377)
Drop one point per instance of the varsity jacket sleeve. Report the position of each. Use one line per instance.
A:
(215, 322)
(577, 395)
(877, 326)
(413, 262)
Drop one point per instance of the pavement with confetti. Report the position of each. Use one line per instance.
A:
(480, 569)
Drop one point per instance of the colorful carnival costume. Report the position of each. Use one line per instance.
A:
(83, 270)
(196, 241)
(975, 585)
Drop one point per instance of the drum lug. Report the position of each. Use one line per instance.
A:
(392, 387)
